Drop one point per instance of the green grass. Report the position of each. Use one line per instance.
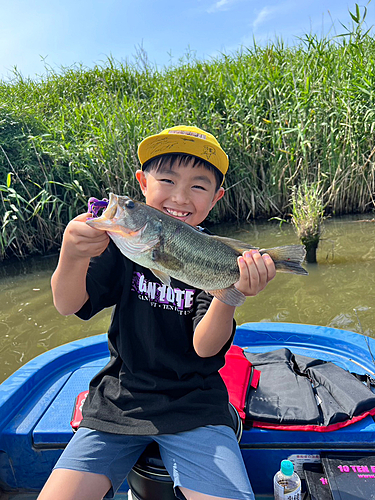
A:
(308, 216)
(285, 115)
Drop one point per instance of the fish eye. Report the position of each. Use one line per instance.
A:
(129, 204)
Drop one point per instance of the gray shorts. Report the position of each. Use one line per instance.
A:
(207, 459)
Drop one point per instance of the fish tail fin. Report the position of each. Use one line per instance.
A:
(288, 259)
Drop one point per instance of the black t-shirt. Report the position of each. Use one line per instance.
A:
(154, 383)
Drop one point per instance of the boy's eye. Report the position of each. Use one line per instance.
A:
(169, 181)
(199, 187)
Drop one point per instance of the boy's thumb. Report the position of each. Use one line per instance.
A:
(83, 217)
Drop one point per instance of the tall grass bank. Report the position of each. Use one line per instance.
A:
(286, 116)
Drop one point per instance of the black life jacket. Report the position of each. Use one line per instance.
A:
(295, 392)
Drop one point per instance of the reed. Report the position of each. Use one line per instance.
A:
(307, 216)
(285, 115)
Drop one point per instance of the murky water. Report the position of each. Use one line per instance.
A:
(339, 291)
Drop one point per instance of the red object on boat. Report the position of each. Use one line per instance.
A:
(238, 375)
(77, 411)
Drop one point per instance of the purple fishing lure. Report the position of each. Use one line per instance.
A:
(94, 206)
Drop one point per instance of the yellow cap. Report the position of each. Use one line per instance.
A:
(187, 140)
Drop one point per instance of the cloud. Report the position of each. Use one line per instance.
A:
(265, 14)
(220, 5)
(270, 12)
(269, 22)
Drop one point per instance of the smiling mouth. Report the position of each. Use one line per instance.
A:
(176, 213)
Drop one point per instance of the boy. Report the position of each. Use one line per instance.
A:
(162, 380)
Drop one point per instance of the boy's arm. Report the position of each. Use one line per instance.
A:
(215, 328)
(68, 283)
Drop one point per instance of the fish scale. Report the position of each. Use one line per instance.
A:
(199, 257)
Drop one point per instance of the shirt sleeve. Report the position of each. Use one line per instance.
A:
(203, 303)
(104, 282)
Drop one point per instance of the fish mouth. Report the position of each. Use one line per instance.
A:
(109, 220)
(109, 214)
(111, 210)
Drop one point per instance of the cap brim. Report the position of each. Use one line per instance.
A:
(161, 144)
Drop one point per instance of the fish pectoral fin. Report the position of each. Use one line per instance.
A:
(230, 296)
(237, 245)
(166, 260)
(132, 246)
(163, 277)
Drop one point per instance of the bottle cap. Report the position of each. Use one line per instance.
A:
(287, 467)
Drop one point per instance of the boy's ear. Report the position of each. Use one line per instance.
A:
(142, 180)
(218, 195)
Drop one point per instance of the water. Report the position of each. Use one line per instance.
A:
(29, 323)
(338, 292)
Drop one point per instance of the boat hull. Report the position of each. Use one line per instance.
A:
(37, 401)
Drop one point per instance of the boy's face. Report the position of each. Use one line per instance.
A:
(185, 192)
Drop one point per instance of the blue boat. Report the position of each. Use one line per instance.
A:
(37, 401)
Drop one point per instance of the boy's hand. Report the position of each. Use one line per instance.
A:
(83, 241)
(256, 271)
(215, 328)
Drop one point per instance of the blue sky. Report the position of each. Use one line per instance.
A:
(61, 33)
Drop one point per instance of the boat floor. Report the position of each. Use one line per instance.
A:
(119, 496)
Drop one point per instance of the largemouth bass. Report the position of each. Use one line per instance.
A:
(173, 249)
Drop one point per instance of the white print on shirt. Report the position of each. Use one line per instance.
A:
(164, 296)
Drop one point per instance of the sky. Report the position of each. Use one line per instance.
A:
(40, 34)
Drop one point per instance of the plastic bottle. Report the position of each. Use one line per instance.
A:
(286, 483)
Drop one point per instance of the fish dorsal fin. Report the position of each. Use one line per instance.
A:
(237, 245)
(230, 296)
(163, 277)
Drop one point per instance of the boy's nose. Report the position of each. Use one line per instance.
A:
(180, 196)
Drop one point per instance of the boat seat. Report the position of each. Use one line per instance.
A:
(53, 429)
